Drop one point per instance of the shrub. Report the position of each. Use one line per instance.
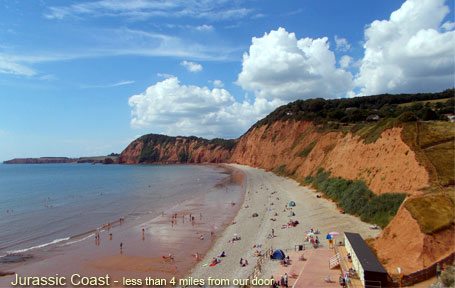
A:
(355, 197)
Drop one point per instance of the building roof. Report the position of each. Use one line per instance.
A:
(366, 257)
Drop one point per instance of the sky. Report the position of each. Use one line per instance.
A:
(85, 78)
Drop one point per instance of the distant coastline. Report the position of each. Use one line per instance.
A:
(110, 159)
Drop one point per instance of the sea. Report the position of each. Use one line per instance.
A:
(44, 205)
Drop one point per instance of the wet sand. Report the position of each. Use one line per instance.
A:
(142, 251)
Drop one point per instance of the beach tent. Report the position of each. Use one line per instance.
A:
(292, 203)
(278, 254)
(291, 214)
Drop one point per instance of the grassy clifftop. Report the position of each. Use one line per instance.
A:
(425, 106)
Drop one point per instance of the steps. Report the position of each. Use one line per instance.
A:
(334, 261)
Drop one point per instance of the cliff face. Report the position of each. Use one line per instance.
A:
(174, 150)
(387, 165)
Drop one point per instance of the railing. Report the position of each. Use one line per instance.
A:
(257, 270)
(334, 261)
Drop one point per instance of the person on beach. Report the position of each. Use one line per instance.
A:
(341, 281)
(110, 236)
(241, 262)
(201, 237)
(285, 279)
(438, 271)
(273, 232)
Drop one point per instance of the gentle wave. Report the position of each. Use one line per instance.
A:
(38, 246)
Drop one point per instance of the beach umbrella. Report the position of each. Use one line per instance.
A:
(334, 233)
(329, 236)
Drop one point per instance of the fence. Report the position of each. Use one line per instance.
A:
(424, 274)
(257, 270)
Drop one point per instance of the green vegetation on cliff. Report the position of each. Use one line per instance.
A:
(355, 198)
(425, 106)
(155, 144)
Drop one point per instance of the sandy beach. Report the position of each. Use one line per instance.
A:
(267, 194)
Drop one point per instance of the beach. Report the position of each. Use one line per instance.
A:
(219, 217)
(267, 194)
(145, 237)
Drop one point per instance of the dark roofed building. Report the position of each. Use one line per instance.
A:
(370, 271)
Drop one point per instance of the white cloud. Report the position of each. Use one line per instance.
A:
(408, 53)
(116, 84)
(191, 66)
(9, 66)
(279, 66)
(139, 10)
(204, 27)
(174, 109)
(345, 61)
(218, 83)
(448, 26)
(164, 75)
(342, 44)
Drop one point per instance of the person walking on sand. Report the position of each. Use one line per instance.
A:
(273, 232)
(285, 279)
(438, 271)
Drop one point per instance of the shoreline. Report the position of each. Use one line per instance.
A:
(157, 232)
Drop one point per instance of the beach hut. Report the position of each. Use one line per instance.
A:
(292, 203)
(278, 255)
(370, 270)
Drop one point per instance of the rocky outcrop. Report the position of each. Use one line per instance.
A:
(160, 149)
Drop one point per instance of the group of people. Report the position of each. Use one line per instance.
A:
(243, 262)
(192, 219)
(292, 223)
(283, 282)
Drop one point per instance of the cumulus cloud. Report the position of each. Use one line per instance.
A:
(342, 44)
(408, 52)
(217, 83)
(280, 66)
(447, 26)
(175, 109)
(345, 61)
(191, 66)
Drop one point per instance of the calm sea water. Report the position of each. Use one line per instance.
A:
(42, 204)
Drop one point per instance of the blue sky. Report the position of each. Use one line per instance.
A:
(81, 78)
